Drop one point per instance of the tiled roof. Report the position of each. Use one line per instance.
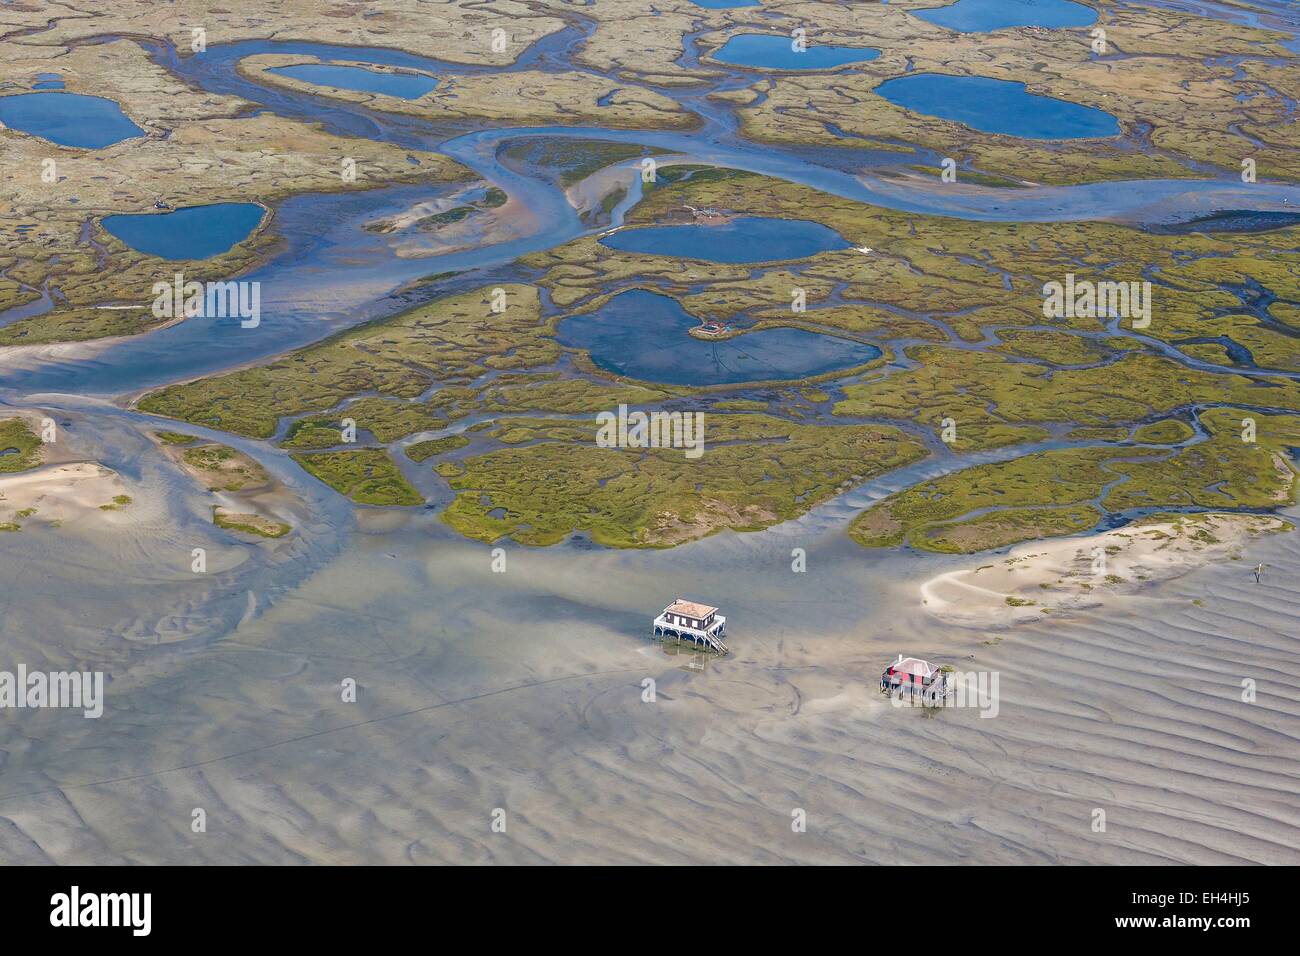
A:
(689, 609)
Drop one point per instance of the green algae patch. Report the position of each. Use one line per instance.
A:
(424, 450)
(366, 475)
(249, 523)
(755, 471)
(20, 447)
(573, 160)
(174, 438)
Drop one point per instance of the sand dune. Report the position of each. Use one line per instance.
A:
(1046, 577)
(60, 492)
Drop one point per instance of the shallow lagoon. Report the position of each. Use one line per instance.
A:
(981, 16)
(407, 86)
(643, 335)
(997, 106)
(744, 239)
(770, 52)
(195, 232)
(69, 119)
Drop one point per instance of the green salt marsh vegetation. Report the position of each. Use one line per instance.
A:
(979, 389)
(933, 286)
(222, 468)
(366, 475)
(1040, 495)
(424, 450)
(1169, 431)
(1223, 472)
(20, 446)
(1069, 490)
(452, 340)
(758, 471)
(249, 523)
(174, 438)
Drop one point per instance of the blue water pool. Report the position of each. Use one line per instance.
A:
(195, 232)
(745, 239)
(69, 119)
(643, 335)
(981, 16)
(724, 4)
(408, 86)
(774, 53)
(997, 106)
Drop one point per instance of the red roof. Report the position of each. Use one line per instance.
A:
(913, 665)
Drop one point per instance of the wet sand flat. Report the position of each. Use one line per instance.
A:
(523, 691)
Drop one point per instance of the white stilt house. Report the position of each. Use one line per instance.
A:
(688, 621)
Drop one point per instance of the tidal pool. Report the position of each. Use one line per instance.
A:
(408, 86)
(644, 335)
(69, 119)
(771, 52)
(744, 239)
(982, 16)
(195, 232)
(997, 106)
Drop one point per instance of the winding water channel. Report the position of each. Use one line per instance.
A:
(475, 682)
(333, 273)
